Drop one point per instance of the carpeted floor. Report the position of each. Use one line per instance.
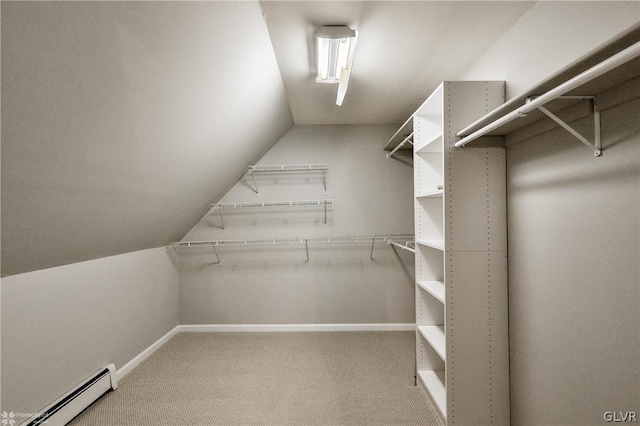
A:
(328, 378)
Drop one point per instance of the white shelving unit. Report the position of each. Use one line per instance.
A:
(461, 280)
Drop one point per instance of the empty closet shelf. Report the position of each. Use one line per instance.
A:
(250, 204)
(433, 144)
(433, 382)
(433, 194)
(434, 335)
(288, 168)
(281, 168)
(258, 204)
(436, 244)
(435, 288)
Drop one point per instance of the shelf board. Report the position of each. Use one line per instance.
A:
(434, 335)
(436, 244)
(433, 145)
(435, 288)
(435, 194)
(433, 382)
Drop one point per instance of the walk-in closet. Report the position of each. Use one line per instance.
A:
(320, 213)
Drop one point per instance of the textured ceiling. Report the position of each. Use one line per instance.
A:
(404, 50)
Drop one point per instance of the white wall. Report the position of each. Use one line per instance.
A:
(275, 285)
(61, 324)
(551, 35)
(574, 276)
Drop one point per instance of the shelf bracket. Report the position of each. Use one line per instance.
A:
(595, 147)
(324, 179)
(306, 245)
(217, 262)
(325, 213)
(222, 217)
(255, 183)
(371, 254)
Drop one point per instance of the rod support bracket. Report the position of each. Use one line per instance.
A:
(596, 146)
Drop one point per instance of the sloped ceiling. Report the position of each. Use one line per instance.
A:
(405, 49)
(122, 121)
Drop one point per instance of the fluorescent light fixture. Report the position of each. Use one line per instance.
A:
(335, 48)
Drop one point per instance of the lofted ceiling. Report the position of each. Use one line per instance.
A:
(404, 50)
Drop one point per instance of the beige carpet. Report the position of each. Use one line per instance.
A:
(328, 378)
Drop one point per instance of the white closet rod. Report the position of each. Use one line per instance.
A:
(405, 140)
(614, 61)
(408, 246)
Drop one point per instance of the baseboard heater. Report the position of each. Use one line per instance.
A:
(63, 410)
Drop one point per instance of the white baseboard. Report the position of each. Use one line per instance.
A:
(125, 369)
(295, 327)
(213, 328)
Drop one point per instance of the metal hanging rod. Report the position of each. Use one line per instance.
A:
(221, 206)
(408, 139)
(293, 240)
(281, 168)
(408, 246)
(614, 61)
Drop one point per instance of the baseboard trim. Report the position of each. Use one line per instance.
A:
(126, 369)
(215, 328)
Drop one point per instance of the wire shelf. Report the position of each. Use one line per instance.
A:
(272, 204)
(372, 239)
(253, 204)
(279, 168)
(289, 167)
(295, 240)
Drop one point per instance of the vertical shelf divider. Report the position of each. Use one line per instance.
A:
(461, 280)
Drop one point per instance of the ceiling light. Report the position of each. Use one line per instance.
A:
(335, 49)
